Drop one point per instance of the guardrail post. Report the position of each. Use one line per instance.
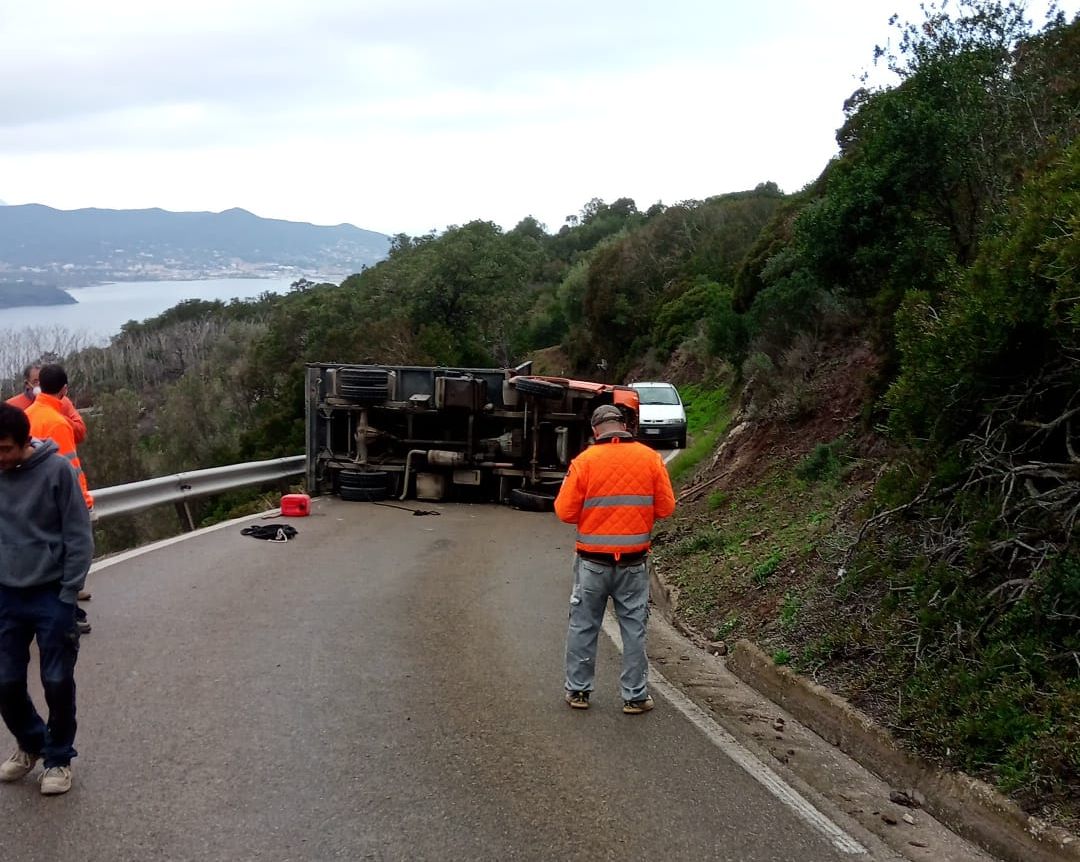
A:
(187, 522)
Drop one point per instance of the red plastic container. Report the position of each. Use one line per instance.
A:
(295, 505)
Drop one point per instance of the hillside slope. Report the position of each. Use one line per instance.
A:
(775, 539)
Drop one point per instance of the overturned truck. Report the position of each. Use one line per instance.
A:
(376, 432)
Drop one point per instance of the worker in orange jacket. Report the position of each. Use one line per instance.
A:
(49, 422)
(31, 389)
(613, 492)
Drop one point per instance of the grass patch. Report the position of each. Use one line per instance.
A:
(707, 414)
(703, 540)
(726, 628)
(704, 406)
(767, 568)
(1002, 700)
(717, 499)
(789, 610)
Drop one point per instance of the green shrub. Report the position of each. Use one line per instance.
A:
(679, 318)
(767, 568)
(823, 463)
(726, 628)
(726, 329)
(1009, 317)
(782, 310)
(790, 609)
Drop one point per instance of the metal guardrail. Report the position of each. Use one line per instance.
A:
(181, 488)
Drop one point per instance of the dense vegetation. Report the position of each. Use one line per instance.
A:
(942, 238)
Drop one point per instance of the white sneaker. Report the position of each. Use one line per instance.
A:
(56, 780)
(19, 764)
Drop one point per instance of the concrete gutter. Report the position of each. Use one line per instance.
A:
(971, 808)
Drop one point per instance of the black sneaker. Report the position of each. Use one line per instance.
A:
(636, 707)
(578, 699)
(81, 622)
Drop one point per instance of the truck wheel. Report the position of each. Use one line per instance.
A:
(357, 479)
(530, 501)
(363, 495)
(363, 384)
(539, 388)
(358, 486)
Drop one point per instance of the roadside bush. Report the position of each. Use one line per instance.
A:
(762, 383)
(725, 329)
(782, 310)
(679, 318)
(1016, 312)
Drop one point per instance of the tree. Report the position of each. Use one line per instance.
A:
(926, 166)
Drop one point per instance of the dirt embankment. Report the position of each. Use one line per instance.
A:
(762, 540)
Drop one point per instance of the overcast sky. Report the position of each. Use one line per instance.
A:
(412, 115)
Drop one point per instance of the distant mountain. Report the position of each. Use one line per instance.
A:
(87, 246)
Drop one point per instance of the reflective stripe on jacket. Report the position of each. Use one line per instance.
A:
(614, 491)
(48, 422)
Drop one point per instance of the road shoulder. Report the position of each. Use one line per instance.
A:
(851, 763)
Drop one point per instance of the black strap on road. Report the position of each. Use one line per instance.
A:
(270, 532)
(408, 509)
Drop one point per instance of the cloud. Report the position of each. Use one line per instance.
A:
(415, 114)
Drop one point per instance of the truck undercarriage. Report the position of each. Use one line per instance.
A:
(435, 433)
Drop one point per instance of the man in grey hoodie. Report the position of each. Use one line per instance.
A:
(46, 547)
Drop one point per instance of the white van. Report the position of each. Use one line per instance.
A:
(662, 419)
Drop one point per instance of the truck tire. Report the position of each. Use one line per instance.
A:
(363, 495)
(362, 480)
(530, 501)
(539, 388)
(363, 384)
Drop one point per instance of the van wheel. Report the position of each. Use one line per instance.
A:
(681, 442)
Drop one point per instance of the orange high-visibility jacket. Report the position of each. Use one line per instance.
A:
(614, 491)
(48, 422)
(78, 424)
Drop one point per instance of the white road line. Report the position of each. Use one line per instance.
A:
(671, 455)
(731, 747)
(105, 562)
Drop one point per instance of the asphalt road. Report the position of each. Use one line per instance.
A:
(385, 686)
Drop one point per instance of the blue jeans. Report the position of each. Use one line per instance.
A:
(24, 615)
(628, 588)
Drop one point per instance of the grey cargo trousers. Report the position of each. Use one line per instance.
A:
(628, 587)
